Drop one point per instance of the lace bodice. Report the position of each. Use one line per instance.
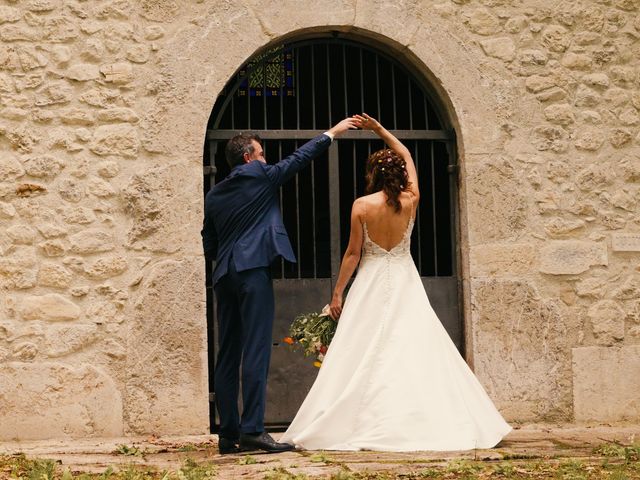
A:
(403, 248)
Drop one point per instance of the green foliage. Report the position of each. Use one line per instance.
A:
(321, 457)
(191, 470)
(132, 451)
(247, 460)
(311, 331)
(281, 473)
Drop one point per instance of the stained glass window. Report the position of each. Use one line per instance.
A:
(270, 74)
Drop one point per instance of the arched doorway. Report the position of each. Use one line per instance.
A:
(290, 93)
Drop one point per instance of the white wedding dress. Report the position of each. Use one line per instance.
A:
(392, 379)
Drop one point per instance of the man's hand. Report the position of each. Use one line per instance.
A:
(341, 127)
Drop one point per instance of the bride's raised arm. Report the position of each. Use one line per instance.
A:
(366, 122)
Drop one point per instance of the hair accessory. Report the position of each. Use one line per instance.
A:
(383, 169)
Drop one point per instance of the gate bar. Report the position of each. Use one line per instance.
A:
(349, 135)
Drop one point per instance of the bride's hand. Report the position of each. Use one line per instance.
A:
(366, 122)
(335, 307)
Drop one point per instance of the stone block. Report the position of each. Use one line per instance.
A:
(606, 382)
(50, 307)
(91, 241)
(119, 140)
(163, 355)
(503, 259)
(502, 48)
(571, 257)
(520, 353)
(607, 322)
(625, 242)
(54, 400)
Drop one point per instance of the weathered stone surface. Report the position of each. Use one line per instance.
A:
(538, 83)
(159, 10)
(108, 169)
(594, 177)
(10, 168)
(600, 395)
(607, 322)
(9, 14)
(597, 80)
(558, 227)
(62, 340)
(560, 114)
(78, 215)
(119, 140)
(159, 342)
(53, 400)
(91, 241)
(481, 21)
(7, 210)
(138, 53)
(22, 234)
(71, 190)
(586, 97)
(577, 61)
(569, 257)
(502, 48)
(154, 32)
(100, 188)
(590, 140)
(54, 275)
(76, 116)
(17, 269)
(549, 138)
(117, 73)
(107, 267)
(556, 38)
(118, 115)
(83, 72)
(55, 93)
(619, 137)
(503, 259)
(43, 166)
(50, 307)
(511, 366)
(53, 248)
(625, 242)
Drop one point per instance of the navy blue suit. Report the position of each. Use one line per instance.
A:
(243, 231)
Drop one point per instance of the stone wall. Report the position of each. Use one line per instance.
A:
(103, 109)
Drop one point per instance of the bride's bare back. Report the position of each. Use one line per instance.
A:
(385, 226)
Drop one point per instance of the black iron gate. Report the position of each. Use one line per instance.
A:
(290, 94)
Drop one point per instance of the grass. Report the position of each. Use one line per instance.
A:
(610, 461)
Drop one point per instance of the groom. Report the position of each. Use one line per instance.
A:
(243, 232)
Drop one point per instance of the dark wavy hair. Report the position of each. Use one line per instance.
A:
(386, 171)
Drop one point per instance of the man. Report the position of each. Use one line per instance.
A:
(244, 232)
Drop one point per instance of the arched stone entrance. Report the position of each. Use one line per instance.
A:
(287, 93)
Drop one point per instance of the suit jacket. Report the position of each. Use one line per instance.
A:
(242, 219)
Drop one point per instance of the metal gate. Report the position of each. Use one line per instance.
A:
(290, 94)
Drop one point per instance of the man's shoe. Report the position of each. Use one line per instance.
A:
(226, 445)
(262, 441)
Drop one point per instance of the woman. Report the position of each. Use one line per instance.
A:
(392, 379)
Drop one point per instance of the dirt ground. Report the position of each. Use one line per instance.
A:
(529, 451)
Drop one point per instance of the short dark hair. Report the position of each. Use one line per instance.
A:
(239, 145)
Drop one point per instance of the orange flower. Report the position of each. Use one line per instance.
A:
(288, 340)
(317, 364)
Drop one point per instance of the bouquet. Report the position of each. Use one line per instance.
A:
(313, 332)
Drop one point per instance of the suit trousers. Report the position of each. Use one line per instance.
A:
(245, 322)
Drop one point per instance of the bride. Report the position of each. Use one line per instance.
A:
(392, 379)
